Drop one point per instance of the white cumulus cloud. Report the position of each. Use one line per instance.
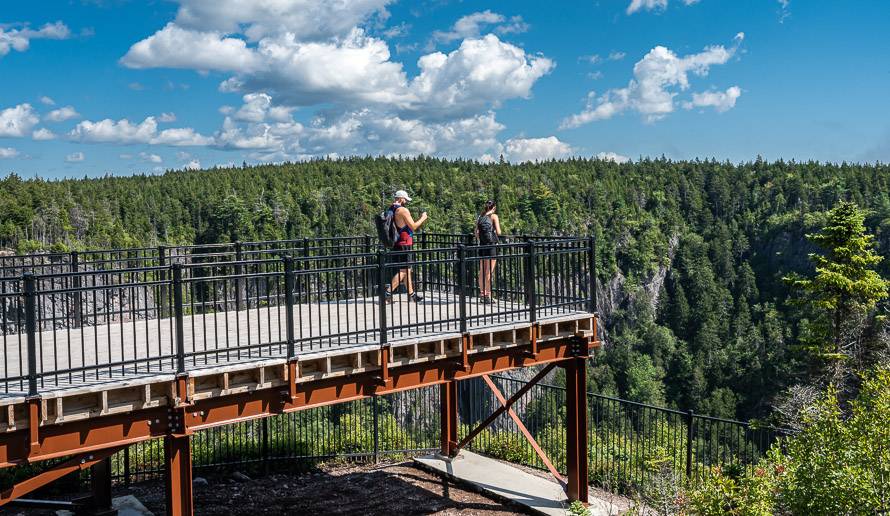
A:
(167, 117)
(17, 122)
(612, 156)
(43, 134)
(652, 91)
(652, 5)
(75, 157)
(19, 39)
(126, 132)
(150, 158)
(719, 100)
(47, 101)
(519, 150)
(193, 165)
(8, 153)
(61, 114)
(472, 26)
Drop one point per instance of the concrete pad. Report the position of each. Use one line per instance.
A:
(127, 505)
(505, 482)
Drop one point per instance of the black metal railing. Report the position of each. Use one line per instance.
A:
(94, 316)
(630, 444)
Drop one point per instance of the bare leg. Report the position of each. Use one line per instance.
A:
(396, 281)
(409, 284)
(482, 268)
(490, 275)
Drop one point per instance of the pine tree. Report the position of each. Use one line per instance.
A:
(845, 285)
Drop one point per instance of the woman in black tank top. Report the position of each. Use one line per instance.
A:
(488, 229)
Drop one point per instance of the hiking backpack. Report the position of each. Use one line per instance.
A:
(487, 233)
(386, 227)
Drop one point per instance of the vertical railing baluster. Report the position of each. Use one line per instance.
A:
(462, 285)
(530, 296)
(178, 314)
(162, 277)
(381, 294)
(375, 411)
(29, 291)
(690, 421)
(238, 280)
(289, 304)
(76, 283)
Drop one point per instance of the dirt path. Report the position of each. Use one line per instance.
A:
(385, 489)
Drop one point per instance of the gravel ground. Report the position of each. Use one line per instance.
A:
(394, 488)
(387, 488)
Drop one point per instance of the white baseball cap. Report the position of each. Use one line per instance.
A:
(403, 194)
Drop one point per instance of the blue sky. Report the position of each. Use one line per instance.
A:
(120, 87)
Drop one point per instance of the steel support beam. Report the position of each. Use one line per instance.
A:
(576, 428)
(448, 417)
(71, 465)
(100, 486)
(178, 478)
(504, 407)
(94, 434)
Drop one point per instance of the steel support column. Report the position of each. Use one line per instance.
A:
(576, 431)
(178, 458)
(448, 417)
(100, 486)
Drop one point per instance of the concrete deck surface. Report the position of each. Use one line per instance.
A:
(503, 481)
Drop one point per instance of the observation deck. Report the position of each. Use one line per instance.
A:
(105, 348)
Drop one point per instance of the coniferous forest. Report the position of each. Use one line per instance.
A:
(692, 254)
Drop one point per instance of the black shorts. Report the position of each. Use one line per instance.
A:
(403, 259)
(488, 252)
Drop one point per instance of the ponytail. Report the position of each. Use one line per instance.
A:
(487, 207)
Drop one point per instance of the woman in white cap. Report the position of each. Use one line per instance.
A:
(406, 225)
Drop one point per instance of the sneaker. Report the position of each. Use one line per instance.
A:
(486, 300)
(417, 298)
(387, 298)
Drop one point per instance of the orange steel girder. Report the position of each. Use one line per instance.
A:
(107, 434)
(79, 462)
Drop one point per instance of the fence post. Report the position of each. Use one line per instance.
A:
(238, 270)
(374, 413)
(162, 277)
(531, 297)
(127, 466)
(177, 310)
(29, 290)
(265, 444)
(462, 285)
(591, 267)
(381, 294)
(289, 303)
(367, 273)
(690, 422)
(76, 283)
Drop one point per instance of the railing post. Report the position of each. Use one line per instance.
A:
(266, 454)
(29, 291)
(462, 285)
(530, 295)
(367, 273)
(76, 283)
(289, 303)
(690, 422)
(239, 255)
(162, 277)
(591, 268)
(381, 294)
(177, 310)
(127, 466)
(375, 416)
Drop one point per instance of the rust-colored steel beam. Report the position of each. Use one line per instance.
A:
(503, 408)
(576, 431)
(116, 430)
(76, 463)
(448, 418)
(525, 432)
(178, 477)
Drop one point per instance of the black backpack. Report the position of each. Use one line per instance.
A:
(487, 233)
(386, 227)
